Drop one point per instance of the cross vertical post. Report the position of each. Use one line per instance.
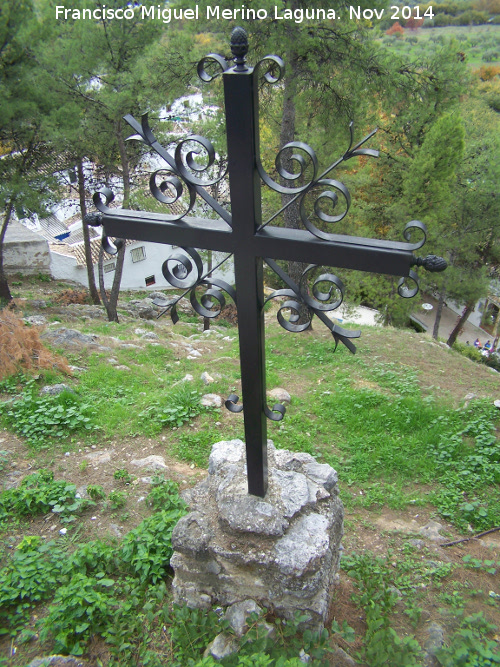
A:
(240, 96)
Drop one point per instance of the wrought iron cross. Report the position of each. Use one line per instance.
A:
(242, 233)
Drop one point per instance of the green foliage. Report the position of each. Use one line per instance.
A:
(146, 550)
(123, 475)
(39, 493)
(40, 418)
(470, 646)
(165, 494)
(92, 557)
(35, 571)
(4, 459)
(180, 407)
(85, 606)
(191, 630)
(468, 458)
(96, 492)
(13, 383)
(382, 646)
(117, 499)
(280, 644)
(195, 447)
(489, 566)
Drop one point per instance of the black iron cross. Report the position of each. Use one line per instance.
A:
(242, 234)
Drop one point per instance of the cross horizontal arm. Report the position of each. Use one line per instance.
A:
(192, 232)
(347, 252)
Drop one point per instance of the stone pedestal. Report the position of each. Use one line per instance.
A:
(281, 551)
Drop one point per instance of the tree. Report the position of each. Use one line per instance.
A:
(475, 224)
(97, 66)
(27, 165)
(336, 71)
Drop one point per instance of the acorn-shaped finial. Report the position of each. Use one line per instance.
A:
(239, 47)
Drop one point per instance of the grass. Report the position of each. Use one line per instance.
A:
(479, 43)
(392, 420)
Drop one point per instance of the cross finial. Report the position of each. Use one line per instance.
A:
(239, 48)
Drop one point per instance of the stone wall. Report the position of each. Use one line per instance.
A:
(24, 251)
(281, 551)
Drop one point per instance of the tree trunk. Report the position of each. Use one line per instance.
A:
(206, 320)
(111, 303)
(460, 324)
(5, 295)
(439, 312)
(94, 294)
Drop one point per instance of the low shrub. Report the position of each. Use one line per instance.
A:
(22, 349)
(39, 418)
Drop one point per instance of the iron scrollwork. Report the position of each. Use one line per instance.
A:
(319, 303)
(187, 274)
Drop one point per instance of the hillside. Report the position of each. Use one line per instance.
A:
(409, 425)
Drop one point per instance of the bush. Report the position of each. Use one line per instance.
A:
(397, 30)
(469, 351)
(38, 418)
(147, 550)
(69, 296)
(489, 72)
(470, 17)
(22, 349)
(492, 55)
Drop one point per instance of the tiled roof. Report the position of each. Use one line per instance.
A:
(77, 250)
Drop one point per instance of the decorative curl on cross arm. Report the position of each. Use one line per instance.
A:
(276, 413)
(272, 63)
(327, 198)
(186, 273)
(212, 301)
(232, 403)
(293, 305)
(211, 59)
(405, 290)
(326, 292)
(407, 233)
(103, 206)
(297, 160)
(188, 167)
(169, 191)
(317, 304)
(183, 273)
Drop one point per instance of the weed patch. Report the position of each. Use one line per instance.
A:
(39, 493)
(41, 418)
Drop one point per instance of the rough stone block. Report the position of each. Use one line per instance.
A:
(281, 551)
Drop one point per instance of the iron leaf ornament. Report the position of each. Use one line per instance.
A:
(250, 241)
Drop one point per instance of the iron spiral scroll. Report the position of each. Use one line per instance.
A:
(322, 202)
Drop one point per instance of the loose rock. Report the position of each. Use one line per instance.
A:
(36, 320)
(280, 395)
(152, 462)
(211, 401)
(58, 661)
(237, 615)
(55, 389)
(222, 646)
(70, 338)
(206, 378)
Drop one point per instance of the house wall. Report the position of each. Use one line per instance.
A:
(135, 273)
(64, 267)
(24, 251)
(474, 317)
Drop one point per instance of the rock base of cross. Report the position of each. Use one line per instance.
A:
(281, 551)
